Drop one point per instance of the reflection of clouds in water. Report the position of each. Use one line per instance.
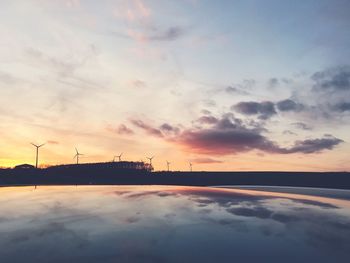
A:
(123, 224)
(132, 219)
(236, 224)
(49, 242)
(52, 230)
(170, 215)
(252, 206)
(3, 219)
(258, 212)
(131, 194)
(314, 203)
(227, 198)
(296, 214)
(319, 221)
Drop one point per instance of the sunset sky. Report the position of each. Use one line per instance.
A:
(226, 85)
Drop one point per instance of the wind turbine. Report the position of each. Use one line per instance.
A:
(150, 160)
(119, 157)
(37, 152)
(168, 165)
(77, 155)
(190, 166)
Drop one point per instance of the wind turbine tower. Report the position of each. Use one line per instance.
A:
(37, 153)
(77, 155)
(190, 167)
(168, 165)
(119, 157)
(150, 160)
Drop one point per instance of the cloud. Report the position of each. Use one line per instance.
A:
(333, 79)
(342, 107)
(273, 82)
(330, 92)
(289, 105)
(289, 132)
(147, 128)
(205, 160)
(72, 3)
(122, 129)
(223, 141)
(6, 78)
(52, 142)
(170, 34)
(235, 90)
(302, 126)
(154, 34)
(209, 103)
(230, 135)
(137, 83)
(64, 67)
(241, 88)
(141, 26)
(133, 11)
(144, 10)
(247, 108)
(324, 98)
(205, 112)
(264, 109)
(169, 129)
(313, 145)
(207, 120)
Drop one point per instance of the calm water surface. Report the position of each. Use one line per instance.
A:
(170, 224)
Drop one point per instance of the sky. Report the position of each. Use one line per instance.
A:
(225, 85)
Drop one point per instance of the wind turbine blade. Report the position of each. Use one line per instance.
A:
(41, 145)
(34, 144)
(76, 150)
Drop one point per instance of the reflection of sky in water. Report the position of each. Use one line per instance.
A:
(170, 224)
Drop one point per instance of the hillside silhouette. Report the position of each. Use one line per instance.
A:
(139, 173)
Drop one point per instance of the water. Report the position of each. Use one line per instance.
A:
(170, 224)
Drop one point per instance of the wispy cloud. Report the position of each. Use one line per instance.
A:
(137, 83)
(141, 27)
(52, 142)
(122, 129)
(205, 160)
(302, 126)
(147, 128)
(155, 34)
(230, 135)
(133, 11)
(264, 109)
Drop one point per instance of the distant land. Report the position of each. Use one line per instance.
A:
(139, 173)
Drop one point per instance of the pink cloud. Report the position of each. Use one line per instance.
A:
(122, 129)
(144, 11)
(134, 11)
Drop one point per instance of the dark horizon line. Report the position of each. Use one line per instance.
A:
(172, 171)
